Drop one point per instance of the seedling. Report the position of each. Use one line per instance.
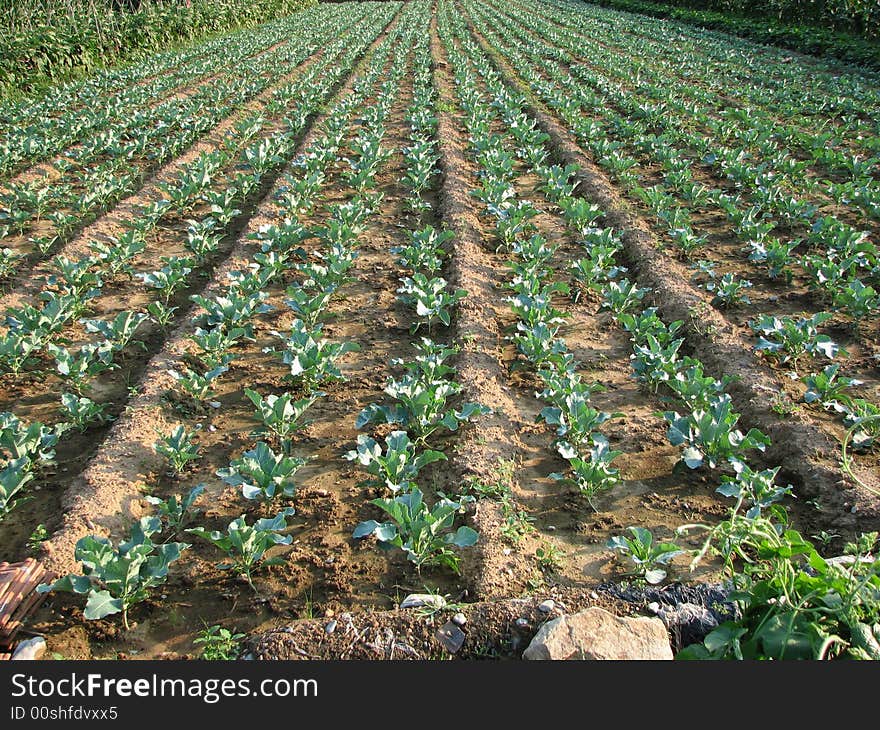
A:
(421, 532)
(179, 448)
(262, 474)
(178, 510)
(647, 556)
(246, 545)
(398, 466)
(117, 578)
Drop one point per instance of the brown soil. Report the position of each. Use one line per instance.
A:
(499, 629)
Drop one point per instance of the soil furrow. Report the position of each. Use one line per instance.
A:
(804, 451)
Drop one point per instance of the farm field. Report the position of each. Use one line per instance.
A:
(482, 299)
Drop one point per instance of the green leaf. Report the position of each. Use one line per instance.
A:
(72, 583)
(364, 529)
(101, 604)
(465, 537)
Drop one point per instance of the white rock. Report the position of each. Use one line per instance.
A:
(598, 634)
(459, 619)
(547, 606)
(415, 600)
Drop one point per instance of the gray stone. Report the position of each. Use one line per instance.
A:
(459, 619)
(30, 649)
(451, 637)
(597, 634)
(522, 623)
(547, 606)
(330, 626)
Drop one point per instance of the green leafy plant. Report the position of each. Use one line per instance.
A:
(647, 556)
(81, 413)
(246, 545)
(115, 578)
(827, 386)
(179, 509)
(421, 408)
(756, 490)
(120, 331)
(33, 442)
(14, 475)
(161, 313)
(398, 466)
(423, 533)
(310, 357)
(282, 415)
(592, 473)
(79, 366)
(709, 434)
(574, 418)
(430, 297)
(263, 474)
(786, 339)
(37, 537)
(219, 643)
(179, 448)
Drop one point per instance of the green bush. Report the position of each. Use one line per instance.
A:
(48, 41)
(800, 26)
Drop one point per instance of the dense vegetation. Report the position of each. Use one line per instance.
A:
(45, 40)
(818, 28)
(856, 15)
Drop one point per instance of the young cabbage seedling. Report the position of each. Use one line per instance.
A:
(647, 556)
(178, 510)
(118, 577)
(263, 474)
(398, 466)
(14, 475)
(282, 415)
(81, 413)
(423, 533)
(179, 448)
(246, 545)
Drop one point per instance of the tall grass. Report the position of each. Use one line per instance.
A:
(52, 40)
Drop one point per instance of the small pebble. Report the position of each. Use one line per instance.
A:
(522, 623)
(212, 428)
(547, 606)
(214, 403)
(594, 595)
(330, 627)
(506, 551)
(551, 528)
(654, 607)
(459, 619)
